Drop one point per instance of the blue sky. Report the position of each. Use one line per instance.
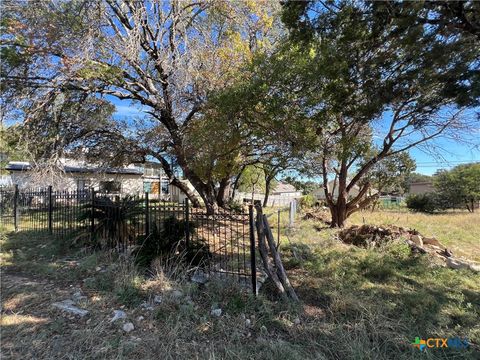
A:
(448, 154)
(455, 154)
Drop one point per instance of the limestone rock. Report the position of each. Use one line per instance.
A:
(127, 327)
(199, 277)
(417, 239)
(216, 312)
(78, 297)
(475, 267)
(147, 306)
(432, 241)
(118, 314)
(457, 264)
(69, 307)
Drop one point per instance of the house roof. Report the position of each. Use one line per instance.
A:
(284, 188)
(25, 166)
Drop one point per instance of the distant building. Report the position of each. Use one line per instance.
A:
(319, 193)
(178, 195)
(79, 176)
(421, 187)
(281, 195)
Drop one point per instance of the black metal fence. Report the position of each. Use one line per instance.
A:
(121, 222)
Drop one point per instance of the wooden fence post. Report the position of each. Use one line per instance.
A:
(253, 262)
(291, 214)
(281, 273)
(50, 210)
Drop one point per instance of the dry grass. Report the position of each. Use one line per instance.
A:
(356, 304)
(460, 231)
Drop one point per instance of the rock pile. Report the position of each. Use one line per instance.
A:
(370, 236)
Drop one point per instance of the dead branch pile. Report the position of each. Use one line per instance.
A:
(271, 259)
(370, 236)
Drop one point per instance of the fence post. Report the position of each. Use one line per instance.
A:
(92, 215)
(253, 262)
(292, 214)
(147, 216)
(187, 224)
(15, 208)
(50, 210)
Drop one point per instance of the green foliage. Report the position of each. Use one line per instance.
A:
(307, 186)
(459, 186)
(11, 146)
(427, 202)
(71, 121)
(252, 179)
(97, 71)
(115, 220)
(129, 294)
(167, 239)
(390, 174)
(235, 206)
(307, 201)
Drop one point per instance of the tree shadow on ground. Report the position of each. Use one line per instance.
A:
(356, 304)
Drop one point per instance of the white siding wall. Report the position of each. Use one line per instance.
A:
(277, 199)
(130, 183)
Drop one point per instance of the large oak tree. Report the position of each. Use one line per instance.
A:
(164, 56)
(369, 83)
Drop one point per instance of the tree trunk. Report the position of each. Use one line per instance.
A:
(205, 190)
(235, 183)
(268, 181)
(339, 208)
(223, 192)
(210, 203)
(339, 212)
(186, 190)
(174, 180)
(467, 206)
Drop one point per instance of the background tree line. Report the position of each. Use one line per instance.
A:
(339, 90)
(455, 188)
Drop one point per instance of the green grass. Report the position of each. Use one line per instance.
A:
(355, 303)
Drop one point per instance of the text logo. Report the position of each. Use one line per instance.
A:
(454, 343)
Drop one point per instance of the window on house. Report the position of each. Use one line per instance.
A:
(110, 187)
(147, 186)
(165, 186)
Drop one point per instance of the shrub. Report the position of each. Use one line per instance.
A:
(235, 206)
(307, 201)
(115, 220)
(423, 202)
(167, 239)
